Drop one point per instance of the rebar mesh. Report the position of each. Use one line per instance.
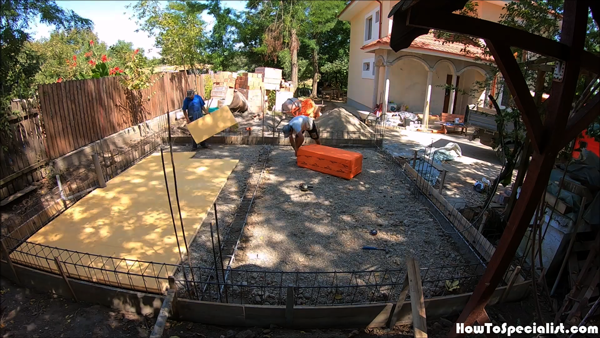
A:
(244, 286)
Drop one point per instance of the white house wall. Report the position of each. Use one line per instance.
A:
(360, 90)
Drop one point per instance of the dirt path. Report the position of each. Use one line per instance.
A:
(28, 314)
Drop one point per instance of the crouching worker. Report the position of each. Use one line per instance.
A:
(193, 109)
(296, 128)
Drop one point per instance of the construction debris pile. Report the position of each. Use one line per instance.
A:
(250, 85)
(570, 236)
(340, 122)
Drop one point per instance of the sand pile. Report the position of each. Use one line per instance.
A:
(339, 120)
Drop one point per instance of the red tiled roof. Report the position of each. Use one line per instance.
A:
(429, 42)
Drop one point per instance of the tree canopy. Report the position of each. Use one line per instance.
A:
(19, 63)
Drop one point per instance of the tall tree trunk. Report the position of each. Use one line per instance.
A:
(294, 46)
(315, 73)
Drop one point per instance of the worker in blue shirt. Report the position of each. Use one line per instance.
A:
(193, 109)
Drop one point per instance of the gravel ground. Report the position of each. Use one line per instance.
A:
(324, 229)
(229, 198)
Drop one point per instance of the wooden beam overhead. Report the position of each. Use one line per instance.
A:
(554, 137)
(520, 91)
(510, 36)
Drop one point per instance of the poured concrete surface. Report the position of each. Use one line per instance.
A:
(130, 219)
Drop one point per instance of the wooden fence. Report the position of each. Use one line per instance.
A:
(22, 154)
(74, 114)
(77, 113)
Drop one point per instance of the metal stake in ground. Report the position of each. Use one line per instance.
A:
(162, 157)
(220, 251)
(187, 249)
(212, 239)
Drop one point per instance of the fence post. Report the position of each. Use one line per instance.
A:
(10, 263)
(415, 160)
(289, 305)
(443, 179)
(64, 276)
(173, 286)
(101, 181)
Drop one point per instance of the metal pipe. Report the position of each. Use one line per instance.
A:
(62, 192)
(162, 157)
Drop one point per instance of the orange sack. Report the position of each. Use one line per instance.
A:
(332, 161)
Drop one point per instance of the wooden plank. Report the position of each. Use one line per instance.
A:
(90, 89)
(99, 107)
(19, 194)
(88, 97)
(62, 115)
(417, 301)
(64, 276)
(63, 119)
(88, 109)
(576, 188)
(44, 118)
(53, 117)
(81, 117)
(112, 115)
(108, 126)
(22, 172)
(77, 114)
(511, 282)
(122, 116)
(399, 304)
(73, 116)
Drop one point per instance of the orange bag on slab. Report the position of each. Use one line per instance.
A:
(332, 161)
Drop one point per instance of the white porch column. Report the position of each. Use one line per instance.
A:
(452, 94)
(376, 85)
(386, 94)
(427, 100)
(485, 99)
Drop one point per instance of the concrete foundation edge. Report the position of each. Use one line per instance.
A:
(351, 316)
(135, 133)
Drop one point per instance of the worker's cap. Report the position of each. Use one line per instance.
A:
(287, 130)
(190, 92)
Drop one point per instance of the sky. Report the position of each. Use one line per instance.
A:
(112, 23)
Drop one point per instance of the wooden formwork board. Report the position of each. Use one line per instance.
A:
(130, 220)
